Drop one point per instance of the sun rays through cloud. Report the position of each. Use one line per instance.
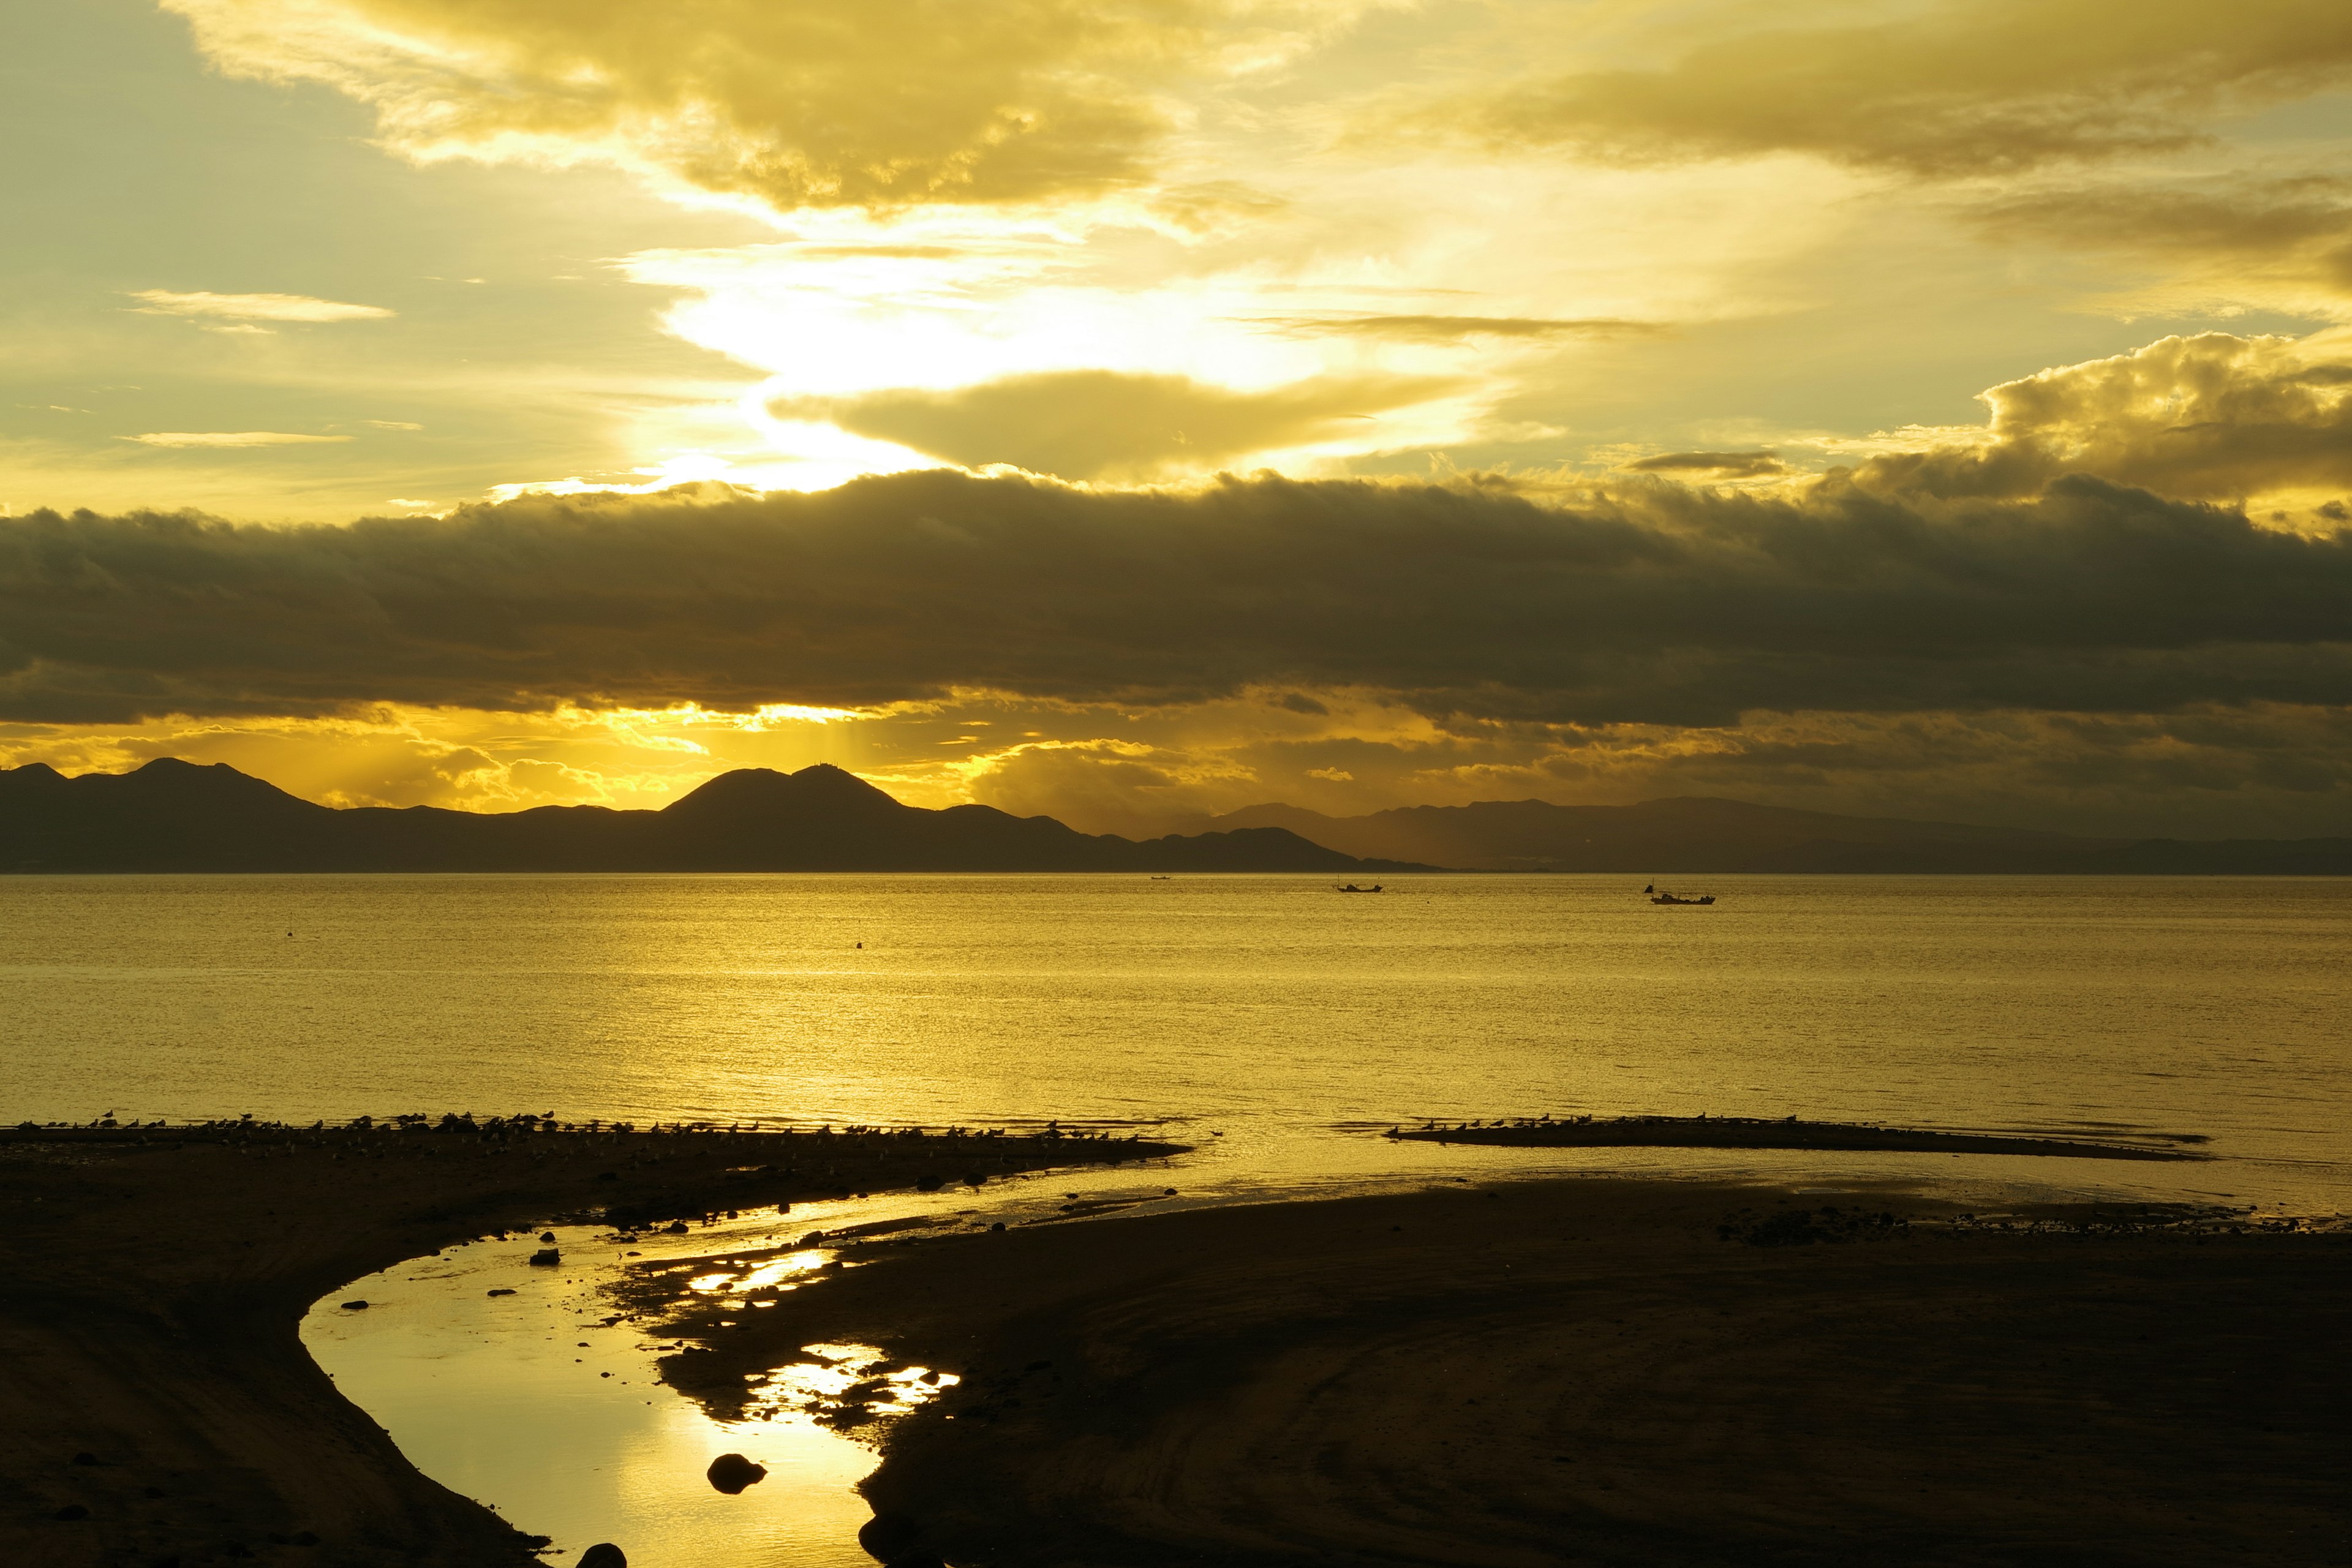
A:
(1188, 402)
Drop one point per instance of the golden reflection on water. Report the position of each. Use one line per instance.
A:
(545, 1403)
(1264, 1009)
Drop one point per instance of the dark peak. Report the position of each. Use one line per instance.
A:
(180, 768)
(35, 770)
(178, 777)
(819, 787)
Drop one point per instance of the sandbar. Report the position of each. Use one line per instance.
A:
(1784, 1132)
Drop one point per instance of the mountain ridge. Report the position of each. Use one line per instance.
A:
(172, 815)
(1689, 835)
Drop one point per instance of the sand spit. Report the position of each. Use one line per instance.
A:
(1788, 1132)
(156, 1403)
(1602, 1372)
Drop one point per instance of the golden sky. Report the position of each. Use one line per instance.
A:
(1138, 409)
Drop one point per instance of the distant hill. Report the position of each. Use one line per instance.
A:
(172, 815)
(1693, 834)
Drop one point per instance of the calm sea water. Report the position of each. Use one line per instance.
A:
(1267, 1009)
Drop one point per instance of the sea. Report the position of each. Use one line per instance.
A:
(1276, 1026)
(1273, 1021)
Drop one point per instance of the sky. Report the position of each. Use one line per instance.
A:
(1134, 410)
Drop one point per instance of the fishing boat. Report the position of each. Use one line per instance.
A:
(1671, 899)
(1352, 888)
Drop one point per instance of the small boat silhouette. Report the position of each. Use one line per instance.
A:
(1671, 899)
(1352, 888)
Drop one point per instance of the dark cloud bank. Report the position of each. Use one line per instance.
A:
(1655, 603)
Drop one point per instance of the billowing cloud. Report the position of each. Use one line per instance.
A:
(255, 306)
(232, 438)
(2213, 416)
(834, 102)
(1949, 89)
(1096, 423)
(1659, 605)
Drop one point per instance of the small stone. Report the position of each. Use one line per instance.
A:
(603, 1554)
(503, 1290)
(546, 1258)
(355, 1306)
(85, 1458)
(547, 1236)
(731, 1473)
(72, 1510)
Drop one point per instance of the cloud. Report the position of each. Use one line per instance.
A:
(231, 439)
(391, 425)
(1094, 424)
(811, 104)
(1731, 465)
(2287, 241)
(1450, 328)
(255, 306)
(2255, 770)
(2212, 416)
(1941, 90)
(1661, 604)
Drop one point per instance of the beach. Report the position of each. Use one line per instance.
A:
(1602, 1370)
(158, 1404)
(1598, 1371)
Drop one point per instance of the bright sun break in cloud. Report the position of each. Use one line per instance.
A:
(1134, 410)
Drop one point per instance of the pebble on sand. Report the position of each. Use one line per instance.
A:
(355, 1306)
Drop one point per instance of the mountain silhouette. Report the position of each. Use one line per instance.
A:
(1697, 834)
(172, 816)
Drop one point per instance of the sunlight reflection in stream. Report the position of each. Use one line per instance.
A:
(544, 1403)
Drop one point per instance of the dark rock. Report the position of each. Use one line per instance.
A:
(503, 1290)
(674, 1227)
(547, 1236)
(71, 1511)
(894, 1541)
(603, 1554)
(608, 1176)
(355, 1306)
(546, 1258)
(85, 1458)
(731, 1473)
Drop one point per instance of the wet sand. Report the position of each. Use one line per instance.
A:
(1593, 1372)
(152, 1282)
